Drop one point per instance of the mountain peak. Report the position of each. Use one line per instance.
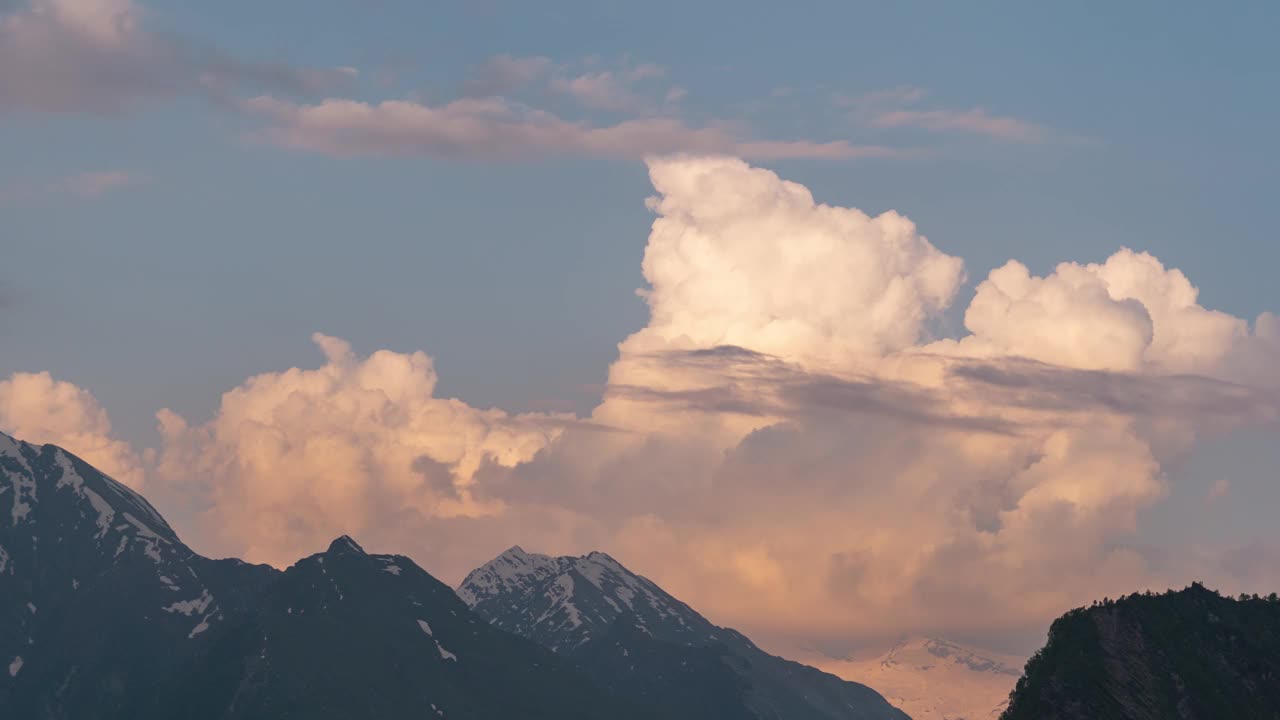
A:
(344, 545)
(542, 596)
(635, 637)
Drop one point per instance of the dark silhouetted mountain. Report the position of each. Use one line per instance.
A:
(105, 614)
(640, 642)
(1185, 655)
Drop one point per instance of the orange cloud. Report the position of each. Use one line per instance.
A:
(783, 445)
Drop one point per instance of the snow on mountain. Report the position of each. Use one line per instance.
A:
(931, 678)
(562, 601)
(105, 614)
(636, 639)
(52, 496)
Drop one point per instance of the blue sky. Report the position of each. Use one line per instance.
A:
(518, 276)
(163, 238)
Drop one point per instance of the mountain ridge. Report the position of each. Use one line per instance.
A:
(106, 614)
(648, 645)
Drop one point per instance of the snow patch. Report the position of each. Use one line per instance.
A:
(445, 654)
(148, 537)
(71, 478)
(144, 530)
(21, 482)
(204, 625)
(191, 607)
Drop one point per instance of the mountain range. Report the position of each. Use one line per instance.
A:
(106, 614)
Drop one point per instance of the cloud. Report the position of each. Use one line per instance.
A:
(1129, 313)
(99, 55)
(292, 458)
(93, 184)
(495, 127)
(88, 184)
(880, 99)
(976, 120)
(36, 408)
(738, 256)
(784, 444)
(608, 89)
(894, 108)
(1218, 490)
(502, 74)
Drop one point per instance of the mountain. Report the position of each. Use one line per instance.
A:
(1190, 654)
(932, 678)
(635, 639)
(106, 614)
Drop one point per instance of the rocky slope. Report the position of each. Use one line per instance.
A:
(1187, 655)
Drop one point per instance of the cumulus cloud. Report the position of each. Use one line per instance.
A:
(1128, 313)
(297, 457)
(38, 409)
(785, 444)
(740, 257)
(99, 55)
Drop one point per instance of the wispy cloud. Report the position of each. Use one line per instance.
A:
(498, 128)
(503, 74)
(897, 107)
(99, 56)
(975, 120)
(88, 184)
(609, 89)
(94, 184)
(1219, 490)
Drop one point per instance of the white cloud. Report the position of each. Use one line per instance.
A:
(740, 257)
(1129, 313)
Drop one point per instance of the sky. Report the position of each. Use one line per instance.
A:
(844, 323)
